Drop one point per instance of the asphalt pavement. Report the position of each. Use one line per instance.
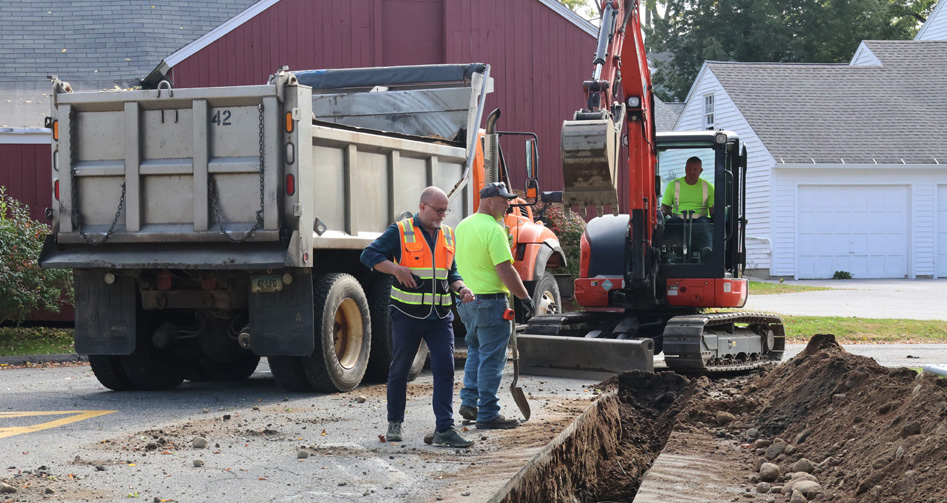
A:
(913, 299)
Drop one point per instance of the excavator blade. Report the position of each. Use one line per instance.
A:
(556, 355)
(589, 156)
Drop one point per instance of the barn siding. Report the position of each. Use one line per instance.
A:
(26, 172)
(538, 58)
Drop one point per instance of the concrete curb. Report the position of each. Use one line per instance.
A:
(60, 358)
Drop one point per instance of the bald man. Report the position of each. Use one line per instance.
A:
(419, 253)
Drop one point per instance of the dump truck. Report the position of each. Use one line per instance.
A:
(208, 227)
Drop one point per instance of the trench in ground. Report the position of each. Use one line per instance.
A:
(604, 454)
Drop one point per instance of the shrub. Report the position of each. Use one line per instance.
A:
(568, 228)
(24, 285)
(842, 275)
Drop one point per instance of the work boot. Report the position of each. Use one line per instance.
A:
(498, 423)
(447, 438)
(469, 413)
(394, 431)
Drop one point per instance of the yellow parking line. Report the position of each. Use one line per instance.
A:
(75, 415)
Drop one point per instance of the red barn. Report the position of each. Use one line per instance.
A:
(539, 51)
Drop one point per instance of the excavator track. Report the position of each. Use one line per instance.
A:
(723, 342)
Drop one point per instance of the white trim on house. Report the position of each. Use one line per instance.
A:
(24, 136)
(935, 28)
(218, 32)
(574, 18)
(864, 57)
(940, 242)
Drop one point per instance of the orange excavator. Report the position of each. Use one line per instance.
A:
(646, 280)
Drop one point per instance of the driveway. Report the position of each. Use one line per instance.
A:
(916, 299)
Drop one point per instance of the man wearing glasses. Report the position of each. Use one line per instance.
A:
(419, 253)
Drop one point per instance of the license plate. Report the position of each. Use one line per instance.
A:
(266, 284)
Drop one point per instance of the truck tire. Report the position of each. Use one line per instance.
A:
(149, 368)
(343, 334)
(237, 370)
(288, 372)
(379, 293)
(546, 295)
(108, 370)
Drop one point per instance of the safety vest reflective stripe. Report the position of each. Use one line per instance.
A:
(408, 230)
(425, 272)
(702, 212)
(448, 235)
(421, 299)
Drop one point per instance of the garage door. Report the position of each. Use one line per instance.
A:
(941, 262)
(860, 230)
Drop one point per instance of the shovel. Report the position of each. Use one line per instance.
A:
(518, 396)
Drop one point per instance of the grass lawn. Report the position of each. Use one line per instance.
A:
(767, 288)
(15, 341)
(860, 330)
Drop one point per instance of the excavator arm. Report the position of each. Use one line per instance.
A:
(618, 98)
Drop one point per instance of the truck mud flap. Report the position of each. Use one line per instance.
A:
(281, 323)
(552, 355)
(105, 314)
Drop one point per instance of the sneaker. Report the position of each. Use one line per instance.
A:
(498, 423)
(469, 413)
(449, 438)
(394, 431)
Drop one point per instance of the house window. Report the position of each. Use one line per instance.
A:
(708, 111)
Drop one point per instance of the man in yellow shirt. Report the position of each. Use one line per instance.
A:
(691, 196)
(485, 261)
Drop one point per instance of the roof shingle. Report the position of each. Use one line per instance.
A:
(836, 113)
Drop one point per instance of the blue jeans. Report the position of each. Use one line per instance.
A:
(488, 335)
(406, 335)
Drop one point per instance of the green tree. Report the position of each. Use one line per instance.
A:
(24, 286)
(584, 8)
(681, 34)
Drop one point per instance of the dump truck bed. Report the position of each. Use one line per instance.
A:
(227, 177)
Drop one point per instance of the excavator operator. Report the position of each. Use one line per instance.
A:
(690, 199)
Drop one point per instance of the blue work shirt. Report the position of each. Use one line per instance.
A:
(388, 247)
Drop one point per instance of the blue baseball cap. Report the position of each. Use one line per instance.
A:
(496, 189)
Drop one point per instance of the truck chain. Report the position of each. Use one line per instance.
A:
(215, 202)
(76, 214)
(694, 326)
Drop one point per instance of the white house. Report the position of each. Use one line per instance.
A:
(935, 28)
(847, 162)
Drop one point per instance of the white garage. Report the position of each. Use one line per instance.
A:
(862, 230)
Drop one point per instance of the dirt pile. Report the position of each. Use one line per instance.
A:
(825, 426)
(856, 431)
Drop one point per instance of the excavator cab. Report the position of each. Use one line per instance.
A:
(700, 241)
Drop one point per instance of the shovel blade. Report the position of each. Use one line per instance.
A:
(518, 395)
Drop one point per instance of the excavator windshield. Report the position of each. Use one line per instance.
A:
(699, 186)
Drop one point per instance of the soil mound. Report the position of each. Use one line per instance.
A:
(826, 425)
(870, 433)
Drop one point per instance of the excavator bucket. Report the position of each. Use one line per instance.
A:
(589, 157)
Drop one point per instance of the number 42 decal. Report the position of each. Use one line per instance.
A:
(221, 118)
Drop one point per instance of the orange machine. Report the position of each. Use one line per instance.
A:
(646, 277)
